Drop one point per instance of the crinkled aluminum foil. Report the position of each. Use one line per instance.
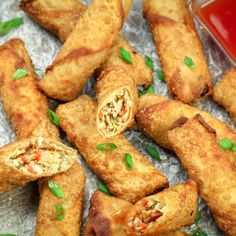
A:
(18, 208)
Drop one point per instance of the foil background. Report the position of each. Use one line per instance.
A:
(18, 208)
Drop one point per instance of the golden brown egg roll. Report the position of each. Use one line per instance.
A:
(196, 145)
(78, 120)
(72, 183)
(30, 159)
(176, 38)
(61, 17)
(225, 93)
(106, 216)
(163, 212)
(25, 106)
(157, 113)
(85, 48)
(117, 101)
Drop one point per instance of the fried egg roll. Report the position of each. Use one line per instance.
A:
(60, 19)
(195, 143)
(106, 216)
(157, 113)
(225, 93)
(179, 48)
(85, 48)
(25, 106)
(165, 211)
(117, 101)
(72, 183)
(78, 120)
(30, 159)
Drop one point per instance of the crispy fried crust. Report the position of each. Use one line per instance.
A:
(156, 118)
(176, 37)
(72, 183)
(225, 93)
(180, 208)
(12, 177)
(207, 164)
(61, 17)
(106, 215)
(112, 83)
(78, 120)
(22, 101)
(85, 48)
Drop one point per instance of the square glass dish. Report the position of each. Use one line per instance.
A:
(218, 18)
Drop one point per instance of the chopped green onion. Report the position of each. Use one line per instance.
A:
(150, 90)
(149, 62)
(226, 144)
(56, 189)
(103, 188)
(153, 152)
(19, 73)
(199, 233)
(234, 148)
(160, 75)
(189, 62)
(7, 234)
(125, 55)
(197, 218)
(106, 147)
(6, 26)
(53, 117)
(141, 92)
(60, 212)
(129, 161)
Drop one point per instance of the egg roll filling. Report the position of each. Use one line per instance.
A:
(39, 161)
(148, 212)
(115, 113)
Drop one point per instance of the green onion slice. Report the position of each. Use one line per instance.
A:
(189, 62)
(103, 188)
(7, 26)
(197, 218)
(150, 90)
(226, 144)
(56, 189)
(199, 233)
(153, 152)
(160, 75)
(149, 62)
(60, 212)
(125, 55)
(7, 234)
(53, 117)
(106, 147)
(19, 73)
(129, 161)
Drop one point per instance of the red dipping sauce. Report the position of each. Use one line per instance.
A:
(219, 17)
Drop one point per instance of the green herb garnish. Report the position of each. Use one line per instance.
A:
(60, 212)
(160, 75)
(53, 117)
(150, 90)
(149, 62)
(153, 152)
(7, 26)
(103, 188)
(56, 189)
(234, 148)
(106, 147)
(189, 62)
(7, 234)
(226, 144)
(197, 218)
(19, 73)
(199, 233)
(129, 161)
(125, 55)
